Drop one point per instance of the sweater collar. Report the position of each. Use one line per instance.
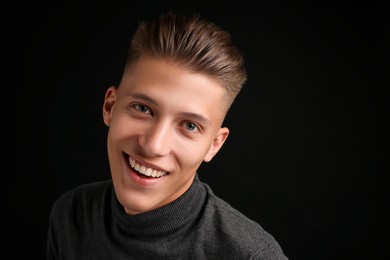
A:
(164, 219)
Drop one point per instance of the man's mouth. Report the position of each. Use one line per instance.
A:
(145, 171)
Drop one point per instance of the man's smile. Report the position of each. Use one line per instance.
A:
(144, 170)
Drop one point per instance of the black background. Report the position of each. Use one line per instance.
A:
(306, 155)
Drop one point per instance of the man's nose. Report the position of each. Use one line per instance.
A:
(156, 140)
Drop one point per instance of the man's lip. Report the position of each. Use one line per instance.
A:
(140, 179)
(142, 162)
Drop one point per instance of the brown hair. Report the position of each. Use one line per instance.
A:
(199, 45)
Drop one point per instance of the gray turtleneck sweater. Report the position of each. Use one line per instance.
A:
(88, 222)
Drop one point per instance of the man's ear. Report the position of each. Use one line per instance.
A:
(109, 101)
(218, 141)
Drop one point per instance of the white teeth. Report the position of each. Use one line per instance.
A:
(145, 170)
(148, 172)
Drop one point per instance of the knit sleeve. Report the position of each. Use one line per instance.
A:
(271, 252)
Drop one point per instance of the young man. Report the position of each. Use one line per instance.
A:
(165, 119)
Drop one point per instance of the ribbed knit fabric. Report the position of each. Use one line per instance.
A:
(165, 219)
(88, 222)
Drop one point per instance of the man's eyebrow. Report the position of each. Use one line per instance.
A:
(143, 97)
(196, 117)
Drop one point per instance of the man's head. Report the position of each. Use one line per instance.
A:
(166, 116)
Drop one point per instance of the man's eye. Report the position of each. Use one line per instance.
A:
(190, 126)
(142, 108)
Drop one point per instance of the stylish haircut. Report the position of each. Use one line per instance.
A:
(194, 43)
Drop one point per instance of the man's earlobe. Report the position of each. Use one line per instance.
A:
(109, 101)
(219, 140)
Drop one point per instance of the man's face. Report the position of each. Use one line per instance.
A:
(164, 121)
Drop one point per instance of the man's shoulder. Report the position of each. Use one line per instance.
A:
(85, 189)
(246, 234)
(224, 211)
(81, 196)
